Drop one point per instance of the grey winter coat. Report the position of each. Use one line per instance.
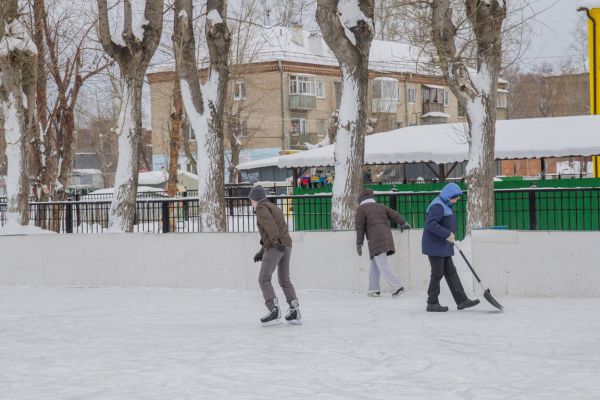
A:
(372, 220)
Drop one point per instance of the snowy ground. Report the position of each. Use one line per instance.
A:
(193, 344)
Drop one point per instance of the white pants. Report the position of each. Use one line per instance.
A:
(380, 266)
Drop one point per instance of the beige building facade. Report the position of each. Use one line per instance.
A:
(285, 104)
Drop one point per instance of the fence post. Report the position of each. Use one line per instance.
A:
(69, 217)
(532, 211)
(78, 210)
(165, 216)
(186, 211)
(394, 206)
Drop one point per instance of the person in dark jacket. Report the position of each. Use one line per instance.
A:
(372, 220)
(275, 252)
(438, 245)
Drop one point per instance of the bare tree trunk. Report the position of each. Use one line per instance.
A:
(187, 150)
(348, 31)
(476, 92)
(205, 106)
(235, 159)
(174, 139)
(133, 60)
(17, 105)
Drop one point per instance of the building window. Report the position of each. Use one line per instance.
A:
(298, 126)
(433, 94)
(412, 95)
(462, 111)
(338, 94)
(321, 132)
(501, 99)
(385, 95)
(398, 125)
(188, 133)
(239, 91)
(446, 98)
(243, 129)
(320, 89)
(302, 84)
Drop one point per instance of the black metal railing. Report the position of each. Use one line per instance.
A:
(525, 209)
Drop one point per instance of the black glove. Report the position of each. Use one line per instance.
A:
(258, 256)
(404, 226)
(359, 249)
(279, 246)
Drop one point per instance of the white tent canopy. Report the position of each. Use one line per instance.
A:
(265, 162)
(447, 143)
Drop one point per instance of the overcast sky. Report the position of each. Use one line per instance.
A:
(552, 30)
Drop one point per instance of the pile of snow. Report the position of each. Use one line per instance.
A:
(16, 229)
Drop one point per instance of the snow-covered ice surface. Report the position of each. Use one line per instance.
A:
(75, 343)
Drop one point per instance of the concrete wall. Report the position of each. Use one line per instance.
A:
(320, 260)
(539, 263)
(510, 263)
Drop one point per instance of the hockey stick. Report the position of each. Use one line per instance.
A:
(486, 292)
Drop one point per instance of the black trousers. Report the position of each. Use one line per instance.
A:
(444, 267)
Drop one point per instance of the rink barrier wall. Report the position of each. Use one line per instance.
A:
(509, 262)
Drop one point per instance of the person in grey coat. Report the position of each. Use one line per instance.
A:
(373, 221)
(275, 253)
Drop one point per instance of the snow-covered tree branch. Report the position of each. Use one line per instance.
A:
(204, 105)
(347, 27)
(475, 87)
(132, 52)
(17, 105)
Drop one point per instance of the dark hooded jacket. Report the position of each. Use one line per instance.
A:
(373, 220)
(440, 222)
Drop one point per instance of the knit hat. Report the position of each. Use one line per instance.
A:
(257, 193)
(366, 194)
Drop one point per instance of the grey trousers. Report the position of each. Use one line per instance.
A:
(281, 260)
(380, 266)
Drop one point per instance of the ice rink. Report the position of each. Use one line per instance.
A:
(167, 344)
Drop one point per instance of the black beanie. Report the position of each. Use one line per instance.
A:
(257, 193)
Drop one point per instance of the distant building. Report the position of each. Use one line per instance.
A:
(287, 95)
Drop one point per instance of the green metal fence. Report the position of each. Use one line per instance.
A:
(575, 208)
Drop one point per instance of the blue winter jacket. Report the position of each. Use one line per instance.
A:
(440, 221)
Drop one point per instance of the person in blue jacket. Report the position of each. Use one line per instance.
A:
(438, 244)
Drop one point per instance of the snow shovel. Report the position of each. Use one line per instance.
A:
(486, 292)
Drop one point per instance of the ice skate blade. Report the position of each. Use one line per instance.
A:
(275, 322)
(295, 322)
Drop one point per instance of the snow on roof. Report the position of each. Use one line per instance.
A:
(141, 189)
(152, 177)
(160, 177)
(278, 43)
(437, 114)
(265, 162)
(434, 86)
(87, 171)
(446, 143)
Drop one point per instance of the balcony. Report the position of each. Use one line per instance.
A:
(297, 140)
(432, 107)
(303, 102)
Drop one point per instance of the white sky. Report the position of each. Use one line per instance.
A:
(552, 30)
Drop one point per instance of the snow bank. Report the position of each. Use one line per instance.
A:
(15, 229)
